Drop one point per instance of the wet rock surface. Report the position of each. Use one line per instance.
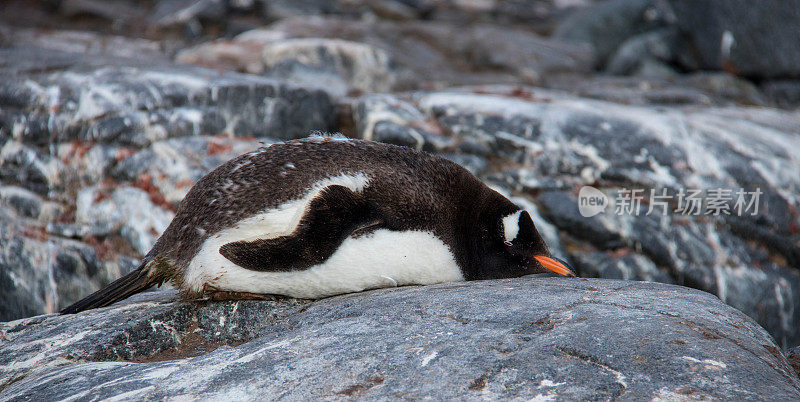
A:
(518, 338)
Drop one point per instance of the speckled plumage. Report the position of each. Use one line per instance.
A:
(405, 191)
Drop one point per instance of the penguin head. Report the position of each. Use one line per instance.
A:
(511, 246)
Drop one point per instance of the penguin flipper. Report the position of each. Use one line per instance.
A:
(334, 215)
(137, 281)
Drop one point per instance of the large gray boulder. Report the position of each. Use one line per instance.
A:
(752, 39)
(607, 24)
(517, 338)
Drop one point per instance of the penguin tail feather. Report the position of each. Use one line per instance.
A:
(137, 281)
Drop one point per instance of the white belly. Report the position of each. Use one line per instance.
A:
(383, 259)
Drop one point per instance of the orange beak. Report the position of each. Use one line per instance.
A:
(554, 265)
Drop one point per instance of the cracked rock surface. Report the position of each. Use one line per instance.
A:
(517, 338)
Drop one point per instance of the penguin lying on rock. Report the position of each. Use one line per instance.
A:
(322, 216)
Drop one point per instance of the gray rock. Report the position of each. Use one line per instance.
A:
(785, 93)
(529, 57)
(169, 13)
(474, 163)
(41, 274)
(579, 140)
(27, 167)
(541, 16)
(506, 339)
(692, 252)
(512, 138)
(109, 10)
(72, 230)
(538, 15)
(48, 96)
(364, 67)
(652, 85)
(27, 204)
(386, 118)
(242, 54)
(630, 267)
(436, 53)
(91, 162)
(605, 231)
(281, 9)
(733, 36)
(21, 201)
(83, 42)
(727, 86)
(394, 9)
(607, 24)
(128, 210)
(361, 68)
(324, 79)
(638, 54)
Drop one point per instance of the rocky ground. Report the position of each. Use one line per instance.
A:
(509, 339)
(110, 111)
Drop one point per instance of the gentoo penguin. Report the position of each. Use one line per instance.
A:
(322, 216)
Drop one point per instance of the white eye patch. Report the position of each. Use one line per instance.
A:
(511, 226)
